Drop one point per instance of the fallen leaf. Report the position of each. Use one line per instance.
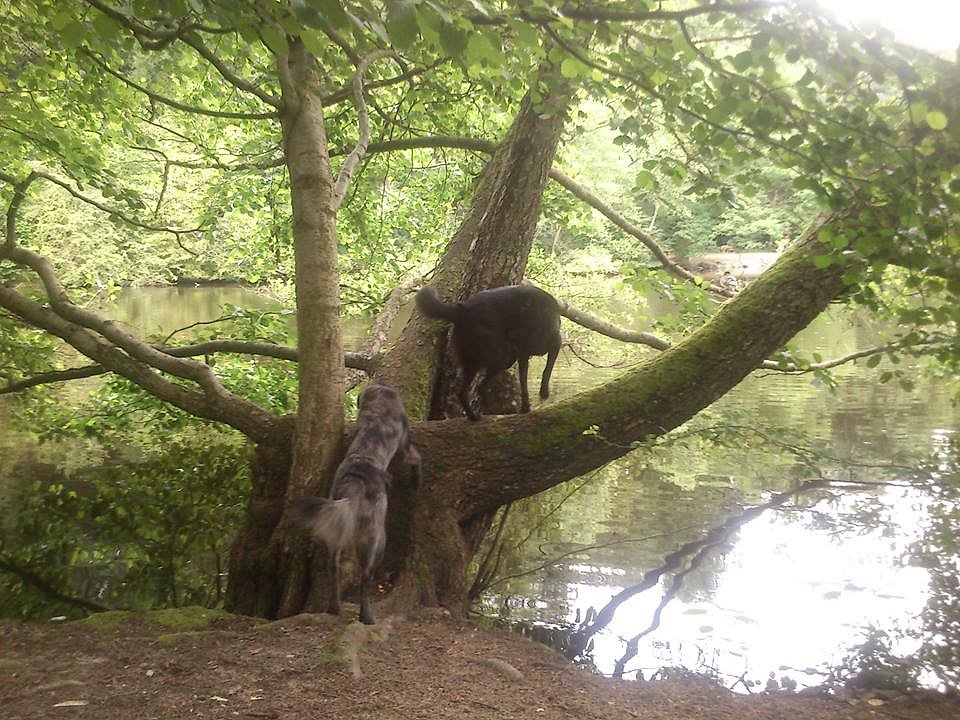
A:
(71, 703)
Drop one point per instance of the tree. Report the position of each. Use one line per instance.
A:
(869, 128)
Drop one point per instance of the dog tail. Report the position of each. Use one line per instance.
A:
(332, 521)
(430, 304)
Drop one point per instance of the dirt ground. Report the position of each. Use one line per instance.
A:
(165, 665)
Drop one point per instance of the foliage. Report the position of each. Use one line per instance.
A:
(131, 533)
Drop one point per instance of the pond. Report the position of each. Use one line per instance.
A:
(786, 591)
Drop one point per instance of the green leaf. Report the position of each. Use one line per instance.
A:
(61, 20)
(742, 61)
(333, 12)
(936, 120)
(315, 42)
(73, 34)
(402, 26)
(918, 111)
(874, 360)
(453, 40)
(481, 50)
(823, 261)
(275, 40)
(106, 27)
(645, 180)
(570, 67)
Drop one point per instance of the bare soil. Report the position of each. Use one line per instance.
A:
(426, 665)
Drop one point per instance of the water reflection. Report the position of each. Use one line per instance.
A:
(788, 592)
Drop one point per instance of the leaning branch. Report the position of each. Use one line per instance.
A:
(595, 13)
(227, 73)
(628, 227)
(351, 161)
(177, 232)
(105, 342)
(377, 336)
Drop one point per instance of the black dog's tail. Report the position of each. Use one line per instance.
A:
(332, 521)
(430, 304)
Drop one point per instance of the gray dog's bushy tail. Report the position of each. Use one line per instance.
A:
(430, 304)
(332, 521)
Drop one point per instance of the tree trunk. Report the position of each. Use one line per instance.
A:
(431, 544)
(490, 249)
(271, 566)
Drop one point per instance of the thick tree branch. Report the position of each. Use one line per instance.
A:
(363, 120)
(550, 445)
(106, 343)
(220, 405)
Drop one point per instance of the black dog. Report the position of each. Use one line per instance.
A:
(356, 511)
(496, 328)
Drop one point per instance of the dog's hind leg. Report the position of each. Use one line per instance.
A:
(548, 369)
(333, 573)
(469, 373)
(370, 554)
(523, 364)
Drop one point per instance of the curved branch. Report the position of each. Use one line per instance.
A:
(214, 403)
(106, 343)
(156, 97)
(628, 227)
(602, 14)
(19, 193)
(347, 92)
(351, 161)
(377, 336)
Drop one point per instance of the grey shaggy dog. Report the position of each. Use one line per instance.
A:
(355, 512)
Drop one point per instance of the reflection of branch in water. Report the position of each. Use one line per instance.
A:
(673, 561)
(634, 642)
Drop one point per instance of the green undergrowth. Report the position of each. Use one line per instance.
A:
(181, 619)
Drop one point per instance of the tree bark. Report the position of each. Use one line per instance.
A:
(490, 249)
(271, 566)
